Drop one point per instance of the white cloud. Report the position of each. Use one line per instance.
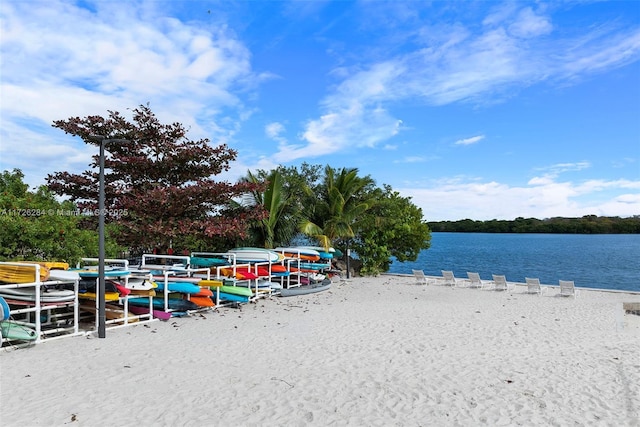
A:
(469, 141)
(61, 60)
(411, 159)
(529, 24)
(511, 51)
(462, 197)
(273, 130)
(347, 129)
(553, 171)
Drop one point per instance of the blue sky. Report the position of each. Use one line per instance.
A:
(475, 110)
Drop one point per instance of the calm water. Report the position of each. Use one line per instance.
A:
(605, 261)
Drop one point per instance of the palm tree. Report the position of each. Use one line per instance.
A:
(338, 208)
(279, 224)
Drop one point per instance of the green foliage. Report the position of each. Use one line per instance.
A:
(392, 227)
(278, 227)
(588, 224)
(35, 226)
(341, 200)
(339, 208)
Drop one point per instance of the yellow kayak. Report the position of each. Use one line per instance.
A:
(25, 273)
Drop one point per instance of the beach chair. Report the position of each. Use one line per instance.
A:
(567, 289)
(500, 283)
(474, 280)
(448, 279)
(421, 279)
(533, 286)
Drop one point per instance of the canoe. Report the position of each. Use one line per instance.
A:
(275, 285)
(157, 314)
(172, 278)
(182, 287)
(46, 295)
(121, 289)
(232, 297)
(239, 274)
(237, 290)
(49, 265)
(23, 273)
(173, 303)
(314, 266)
(306, 289)
(93, 273)
(306, 254)
(64, 275)
(210, 283)
(143, 292)
(139, 283)
(204, 292)
(108, 296)
(246, 273)
(202, 301)
(208, 262)
(255, 255)
(15, 331)
(324, 254)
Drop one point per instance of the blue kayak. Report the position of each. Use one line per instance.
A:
(182, 287)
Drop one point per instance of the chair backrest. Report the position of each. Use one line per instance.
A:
(474, 279)
(449, 278)
(533, 285)
(500, 282)
(420, 277)
(567, 288)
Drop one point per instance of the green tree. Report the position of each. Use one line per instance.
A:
(35, 226)
(392, 227)
(341, 201)
(278, 227)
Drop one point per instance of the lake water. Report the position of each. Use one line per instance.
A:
(603, 261)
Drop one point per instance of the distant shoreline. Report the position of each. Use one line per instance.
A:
(589, 224)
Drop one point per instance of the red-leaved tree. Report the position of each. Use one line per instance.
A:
(158, 183)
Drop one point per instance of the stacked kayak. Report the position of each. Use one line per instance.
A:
(22, 272)
(307, 289)
(47, 295)
(13, 331)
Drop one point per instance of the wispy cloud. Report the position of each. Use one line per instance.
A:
(274, 131)
(469, 141)
(412, 159)
(558, 168)
(449, 64)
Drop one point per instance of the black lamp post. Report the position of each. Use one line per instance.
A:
(102, 318)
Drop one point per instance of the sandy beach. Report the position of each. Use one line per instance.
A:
(369, 352)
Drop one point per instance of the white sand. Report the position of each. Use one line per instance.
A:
(374, 352)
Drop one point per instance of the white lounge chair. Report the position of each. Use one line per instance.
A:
(421, 279)
(448, 279)
(474, 280)
(500, 283)
(567, 289)
(533, 286)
